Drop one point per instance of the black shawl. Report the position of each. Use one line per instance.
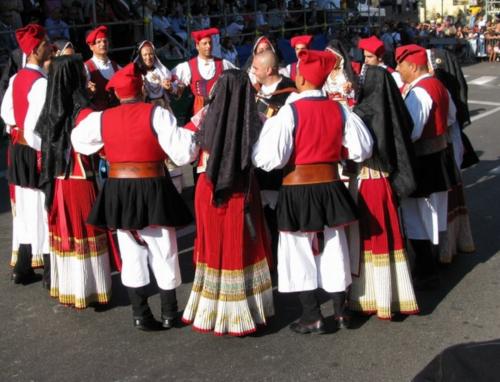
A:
(449, 72)
(229, 131)
(383, 110)
(66, 96)
(339, 47)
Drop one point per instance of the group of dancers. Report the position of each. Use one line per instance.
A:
(324, 172)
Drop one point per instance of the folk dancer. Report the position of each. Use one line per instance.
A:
(80, 270)
(100, 68)
(424, 212)
(382, 282)
(232, 291)
(20, 110)
(374, 50)
(201, 72)
(298, 43)
(307, 138)
(139, 199)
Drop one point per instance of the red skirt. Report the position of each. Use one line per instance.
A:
(222, 239)
(80, 272)
(379, 220)
(232, 291)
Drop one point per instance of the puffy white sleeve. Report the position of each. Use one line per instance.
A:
(183, 73)
(178, 143)
(36, 100)
(357, 138)
(7, 108)
(86, 136)
(285, 71)
(419, 104)
(228, 65)
(274, 147)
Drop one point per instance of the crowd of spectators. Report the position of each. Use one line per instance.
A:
(475, 35)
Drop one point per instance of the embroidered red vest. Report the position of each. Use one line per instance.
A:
(128, 134)
(201, 87)
(437, 124)
(319, 125)
(20, 89)
(101, 99)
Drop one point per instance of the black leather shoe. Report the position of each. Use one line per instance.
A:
(22, 278)
(169, 322)
(317, 327)
(148, 324)
(342, 322)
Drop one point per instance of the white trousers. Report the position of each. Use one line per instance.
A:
(299, 269)
(31, 220)
(160, 253)
(424, 218)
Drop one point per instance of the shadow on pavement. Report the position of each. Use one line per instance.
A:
(484, 212)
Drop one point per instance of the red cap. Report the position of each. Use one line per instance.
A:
(304, 39)
(412, 53)
(127, 82)
(197, 36)
(99, 32)
(315, 65)
(373, 45)
(30, 37)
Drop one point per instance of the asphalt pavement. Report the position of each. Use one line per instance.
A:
(41, 340)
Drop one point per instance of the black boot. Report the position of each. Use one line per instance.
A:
(23, 273)
(311, 320)
(426, 274)
(169, 308)
(143, 318)
(46, 272)
(341, 314)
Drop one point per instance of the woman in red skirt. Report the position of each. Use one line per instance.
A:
(232, 291)
(80, 272)
(382, 283)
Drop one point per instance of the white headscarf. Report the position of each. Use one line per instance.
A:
(154, 77)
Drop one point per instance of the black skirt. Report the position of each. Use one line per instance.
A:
(435, 173)
(269, 180)
(309, 208)
(134, 204)
(23, 169)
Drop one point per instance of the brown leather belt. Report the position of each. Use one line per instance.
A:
(136, 170)
(21, 140)
(311, 174)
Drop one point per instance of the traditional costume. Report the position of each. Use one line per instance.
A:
(458, 237)
(382, 281)
(200, 74)
(376, 46)
(425, 211)
(138, 199)
(100, 72)
(232, 291)
(341, 83)
(158, 95)
(80, 272)
(248, 64)
(290, 70)
(308, 137)
(20, 110)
